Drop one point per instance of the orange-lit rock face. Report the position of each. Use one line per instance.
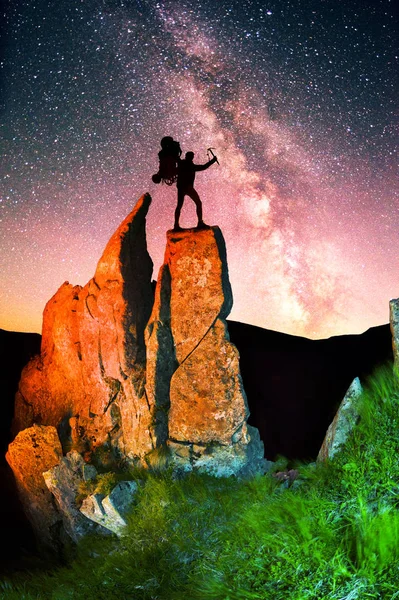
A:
(192, 367)
(89, 379)
(112, 393)
(34, 451)
(206, 394)
(200, 290)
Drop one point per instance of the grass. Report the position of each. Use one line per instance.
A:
(333, 535)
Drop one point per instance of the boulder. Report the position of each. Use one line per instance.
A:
(345, 420)
(243, 457)
(193, 374)
(110, 511)
(63, 481)
(34, 451)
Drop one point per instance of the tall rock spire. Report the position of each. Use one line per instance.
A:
(89, 379)
(202, 408)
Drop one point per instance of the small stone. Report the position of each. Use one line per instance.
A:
(119, 501)
(110, 512)
(93, 509)
(287, 478)
(63, 482)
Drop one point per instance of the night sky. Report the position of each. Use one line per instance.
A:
(298, 100)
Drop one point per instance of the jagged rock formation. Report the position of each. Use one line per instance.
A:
(120, 376)
(345, 420)
(89, 378)
(200, 392)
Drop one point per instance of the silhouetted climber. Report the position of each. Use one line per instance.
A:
(169, 157)
(185, 186)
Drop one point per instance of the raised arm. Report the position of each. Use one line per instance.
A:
(206, 165)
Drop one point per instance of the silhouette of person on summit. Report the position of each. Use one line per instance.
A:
(185, 186)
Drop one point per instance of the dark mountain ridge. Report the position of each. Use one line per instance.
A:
(16, 349)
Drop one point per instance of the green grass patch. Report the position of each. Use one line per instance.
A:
(332, 535)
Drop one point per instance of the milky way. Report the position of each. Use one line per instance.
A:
(298, 100)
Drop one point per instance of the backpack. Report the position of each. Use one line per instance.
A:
(168, 161)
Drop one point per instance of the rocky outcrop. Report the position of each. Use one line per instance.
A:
(89, 378)
(394, 322)
(116, 389)
(121, 377)
(345, 420)
(200, 390)
(34, 451)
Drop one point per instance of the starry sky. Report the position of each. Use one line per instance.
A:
(298, 98)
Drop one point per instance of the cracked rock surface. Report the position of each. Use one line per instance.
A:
(89, 378)
(188, 342)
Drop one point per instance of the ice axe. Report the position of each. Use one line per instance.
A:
(210, 152)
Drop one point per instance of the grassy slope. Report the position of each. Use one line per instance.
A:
(333, 535)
